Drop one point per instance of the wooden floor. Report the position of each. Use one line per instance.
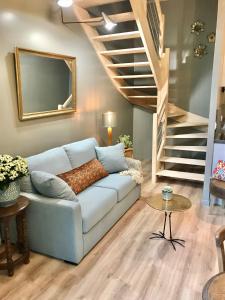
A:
(126, 264)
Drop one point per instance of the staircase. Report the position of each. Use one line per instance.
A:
(135, 60)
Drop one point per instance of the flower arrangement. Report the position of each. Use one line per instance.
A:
(126, 140)
(11, 169)
(167, 192)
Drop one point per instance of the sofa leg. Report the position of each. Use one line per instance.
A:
(69, 262)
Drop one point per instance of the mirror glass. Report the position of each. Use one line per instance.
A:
(46, 84)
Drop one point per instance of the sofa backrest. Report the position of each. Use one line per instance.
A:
(54, 161)
(59, 160)
(81, 152)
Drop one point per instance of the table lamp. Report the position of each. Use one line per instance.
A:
(109, 121)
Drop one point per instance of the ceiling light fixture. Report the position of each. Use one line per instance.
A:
(65, 3)
(108, 23)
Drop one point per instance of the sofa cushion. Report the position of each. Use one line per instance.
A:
(54, 161)
(95, 203)
(84, 176)
(81, 152)
(121, 184)
(52, 186)
(112, 158)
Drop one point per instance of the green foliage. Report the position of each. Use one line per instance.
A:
(167, 189)
(126, 140)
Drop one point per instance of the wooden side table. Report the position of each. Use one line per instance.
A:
(17, 211)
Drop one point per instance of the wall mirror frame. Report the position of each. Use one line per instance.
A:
(37, 87)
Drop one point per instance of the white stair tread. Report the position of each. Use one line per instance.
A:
(189, 136)
(90, 3)
(117, 18)
(133, 76)
(181, 175)
(123, 51)
(117, 36)
(187, 124)
(139, 87)
(142, 97)
(185, 161)
(129, 65)
(174, 115)
(187, 148)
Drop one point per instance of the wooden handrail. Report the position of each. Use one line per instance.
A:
(154, 147)
(160, 118)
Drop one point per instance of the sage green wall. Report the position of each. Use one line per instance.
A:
(190, 77)
(36, 25)
(142, 133)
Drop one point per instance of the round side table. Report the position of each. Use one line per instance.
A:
(178, 203)
(18, 211)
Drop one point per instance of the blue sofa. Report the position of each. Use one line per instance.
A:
(65, 229)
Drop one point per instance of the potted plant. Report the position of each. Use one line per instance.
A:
(167, 193)
(11, 169)
(128, 144)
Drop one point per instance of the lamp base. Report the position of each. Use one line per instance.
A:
(109, 136)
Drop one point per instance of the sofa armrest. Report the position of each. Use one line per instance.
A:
(55, 227)
(134, 164)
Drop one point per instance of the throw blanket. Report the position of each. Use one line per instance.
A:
(135, 170)
(136, 175)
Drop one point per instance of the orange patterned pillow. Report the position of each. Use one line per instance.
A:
(84, 176)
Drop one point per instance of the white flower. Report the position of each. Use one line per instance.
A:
(6, 158)
(12, 168)
(2, 177)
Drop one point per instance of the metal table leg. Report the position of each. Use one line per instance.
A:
(178, 241)
(161, 234)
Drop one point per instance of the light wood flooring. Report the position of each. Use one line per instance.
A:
(126, 264)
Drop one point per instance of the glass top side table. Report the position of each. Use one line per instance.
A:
(178, 203)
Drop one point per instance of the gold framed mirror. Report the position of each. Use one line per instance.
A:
(46, 84)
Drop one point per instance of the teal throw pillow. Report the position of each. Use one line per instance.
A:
(52, 186)
(112, 158)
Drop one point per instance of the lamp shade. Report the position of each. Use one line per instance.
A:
(109, 119)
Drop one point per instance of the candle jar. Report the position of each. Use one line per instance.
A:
(167, 193)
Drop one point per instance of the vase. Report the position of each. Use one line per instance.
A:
(167, 195)
(9, 196)
(128, 152)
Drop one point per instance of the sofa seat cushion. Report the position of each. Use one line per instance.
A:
(121, 184)
(95, 203)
